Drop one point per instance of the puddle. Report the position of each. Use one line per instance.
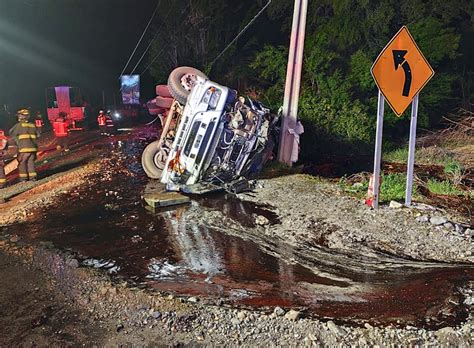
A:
(107, 226)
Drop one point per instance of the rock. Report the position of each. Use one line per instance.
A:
(235, 321)
(423, 206)
(458, 228)
(119, 327)
(449, 226)
(156, 315)
(368, 326)
(395, 205)
(293, 315)
(334, 328)
(423, 218)
(469, 232)
(279, 312)
(438, 220)
(72, 263)
(445, 333)
(312, 337)
(193, 300)
(241, 315)
(358, 185)
(261, 220)
(469, 301)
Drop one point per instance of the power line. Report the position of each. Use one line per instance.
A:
(239, 34)
(154, 59)
(140, 40)
(149, 45)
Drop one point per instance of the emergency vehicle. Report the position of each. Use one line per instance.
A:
(68, 100)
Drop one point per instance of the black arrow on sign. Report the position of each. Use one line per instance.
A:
(399, 59)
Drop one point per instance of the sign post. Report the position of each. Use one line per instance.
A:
(411, 151)
(400, 72)
(378, 150)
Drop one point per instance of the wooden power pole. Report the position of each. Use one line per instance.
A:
(293, 83)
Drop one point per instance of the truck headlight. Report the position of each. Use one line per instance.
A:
(211, 97)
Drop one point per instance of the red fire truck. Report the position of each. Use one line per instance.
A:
(68, 100)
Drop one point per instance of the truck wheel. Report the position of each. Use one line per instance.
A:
(181, 81)
(154, 160)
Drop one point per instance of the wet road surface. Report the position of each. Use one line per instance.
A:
(107, 226)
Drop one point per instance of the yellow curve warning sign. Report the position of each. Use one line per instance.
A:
(401, 71)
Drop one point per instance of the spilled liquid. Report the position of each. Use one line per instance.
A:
(175, 250)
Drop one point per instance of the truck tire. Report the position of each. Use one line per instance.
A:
(163, 91)
(163, 102)
(181, 81)
(154, 160)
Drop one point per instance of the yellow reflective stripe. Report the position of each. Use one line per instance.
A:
(23, 175)
(28, 125)
(33, 174)
(27, 136)
(3, 180)
(28, 149)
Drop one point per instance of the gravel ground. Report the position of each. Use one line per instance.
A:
(312, 210)
(122, 315)
(309, 211)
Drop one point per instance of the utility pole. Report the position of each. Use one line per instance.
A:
(293, 83)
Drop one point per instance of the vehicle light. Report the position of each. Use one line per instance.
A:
(211, 97)
(215, 98)
(117, 115)
(207, 96)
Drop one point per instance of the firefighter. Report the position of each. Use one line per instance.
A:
(109, 124)
(101, 120)
(3, 154)
(25, 134)
(39, 121)
(61, 132)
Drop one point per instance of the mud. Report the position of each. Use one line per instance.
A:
(184, 251)
(33, 313)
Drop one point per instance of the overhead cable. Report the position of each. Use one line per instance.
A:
(149, 45)
(141, 38)
(239, 34)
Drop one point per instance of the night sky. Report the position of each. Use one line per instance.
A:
(83, 43)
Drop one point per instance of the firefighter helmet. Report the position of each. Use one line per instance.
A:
(101, 112)
(23, 114)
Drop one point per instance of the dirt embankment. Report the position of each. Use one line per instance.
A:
(316, 212)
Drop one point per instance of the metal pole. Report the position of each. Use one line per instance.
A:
(411, 151)
(378, 149)
(293, 81)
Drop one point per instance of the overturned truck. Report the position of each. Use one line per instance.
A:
(211, 139)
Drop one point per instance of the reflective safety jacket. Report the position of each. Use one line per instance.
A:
(60, 128)
(101, 120)
(25, 134)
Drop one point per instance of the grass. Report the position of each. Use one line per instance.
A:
(445, 187)
(424, 155)
(392, 188)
